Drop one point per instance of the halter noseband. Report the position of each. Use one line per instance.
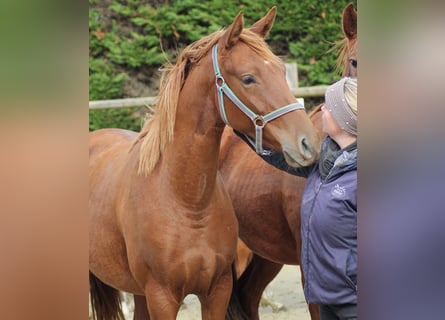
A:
(258, 120)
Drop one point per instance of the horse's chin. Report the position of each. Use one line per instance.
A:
(292, 161)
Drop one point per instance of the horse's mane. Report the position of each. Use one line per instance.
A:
(342, 48)
(315, 110)
(158, 130)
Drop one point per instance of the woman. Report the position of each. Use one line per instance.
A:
(329, 207)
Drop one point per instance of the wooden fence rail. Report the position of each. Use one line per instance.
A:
(300, 92)
(122, 103)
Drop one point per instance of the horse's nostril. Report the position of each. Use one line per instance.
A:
(306, 148)
(305, 145)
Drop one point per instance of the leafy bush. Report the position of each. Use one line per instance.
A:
(105, 83)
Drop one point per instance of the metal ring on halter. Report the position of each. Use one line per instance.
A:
(259, 121)
(223, 81)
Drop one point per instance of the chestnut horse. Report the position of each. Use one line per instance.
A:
(267, 200)
(162, 224)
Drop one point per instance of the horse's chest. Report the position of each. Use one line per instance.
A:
(197, 270)
(194, 258)
(200, 243)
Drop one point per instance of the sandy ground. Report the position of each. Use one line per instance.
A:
(285, 293)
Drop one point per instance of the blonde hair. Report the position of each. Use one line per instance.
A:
(351, 94)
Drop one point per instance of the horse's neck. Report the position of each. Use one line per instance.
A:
(190, 163)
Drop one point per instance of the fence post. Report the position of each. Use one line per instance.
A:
(292, 75)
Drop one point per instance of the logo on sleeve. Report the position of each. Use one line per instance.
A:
(338, 191)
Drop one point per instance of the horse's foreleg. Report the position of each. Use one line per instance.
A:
(214, 306)
(254, 281)
(314, 311)
(161, 303)
(140, 308)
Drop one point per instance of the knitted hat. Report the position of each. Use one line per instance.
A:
(336, 103)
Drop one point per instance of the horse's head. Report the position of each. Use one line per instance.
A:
(349, 24)
(254, 97)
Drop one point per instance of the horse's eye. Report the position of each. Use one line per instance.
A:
(248, 79)
(354, 63)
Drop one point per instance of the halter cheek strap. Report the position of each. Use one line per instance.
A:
(258, 120)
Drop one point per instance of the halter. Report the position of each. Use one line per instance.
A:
(258, 120)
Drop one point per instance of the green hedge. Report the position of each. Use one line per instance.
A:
(137, 37)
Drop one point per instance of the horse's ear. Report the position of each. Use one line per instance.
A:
(349, 22)
(263, 26)
(231, 36)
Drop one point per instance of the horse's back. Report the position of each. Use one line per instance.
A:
(106, 139)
